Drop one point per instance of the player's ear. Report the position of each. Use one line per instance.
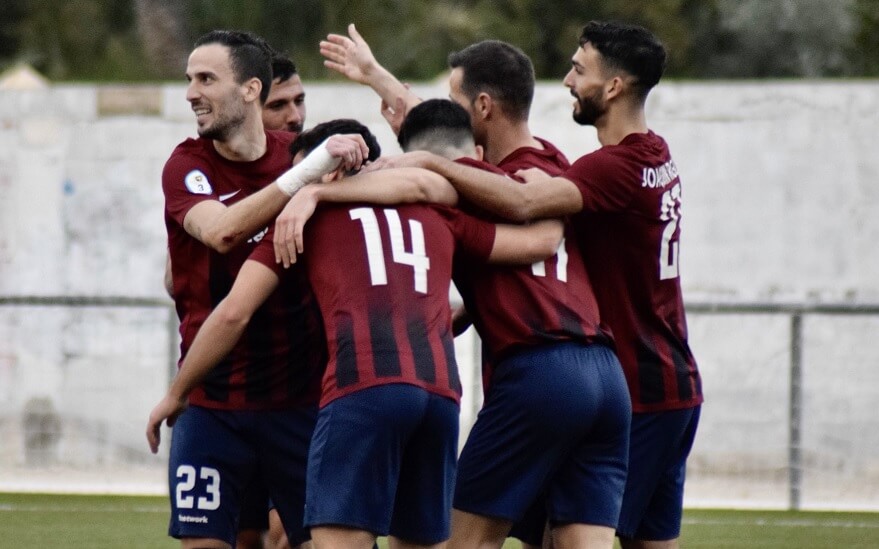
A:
(252, 89)
(480, 152)
(483, 105)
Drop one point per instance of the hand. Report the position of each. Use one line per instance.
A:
(350, 57)
(169, 409)
(395, 115)
(350, 148)
(413, 159)
(531, 174)
(290, 224)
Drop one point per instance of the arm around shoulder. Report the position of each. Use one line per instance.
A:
(524, 244)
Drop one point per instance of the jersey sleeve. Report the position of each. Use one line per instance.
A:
(185, 183)
(473, 237)
(601, 183)
(264, 252)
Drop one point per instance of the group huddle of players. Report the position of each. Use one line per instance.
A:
(317, 375)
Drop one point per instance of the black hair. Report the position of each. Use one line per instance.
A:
(435, 122)
(499, 69)
(630, 48)
(283, 68)
(250, 56)
(308, 140)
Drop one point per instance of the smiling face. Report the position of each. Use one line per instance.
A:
(587, 80)
(285, 106)
(216, 98)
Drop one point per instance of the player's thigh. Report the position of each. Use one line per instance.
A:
(367, 431)
(589, 484)
(211, 461)
(423, 500)
(539, 404)
(659, 446)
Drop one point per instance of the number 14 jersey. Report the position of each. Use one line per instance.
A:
(381, 276)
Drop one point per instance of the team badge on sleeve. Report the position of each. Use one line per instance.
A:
(198, 183)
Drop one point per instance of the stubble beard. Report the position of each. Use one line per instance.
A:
(224, 126)
(589, 111)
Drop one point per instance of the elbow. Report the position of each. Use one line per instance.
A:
(219, 241)
(232, 315)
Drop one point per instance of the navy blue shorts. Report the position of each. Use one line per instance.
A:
(383, 460)
(255, 507)
(654, 498)
(555, 425)
(215, 454)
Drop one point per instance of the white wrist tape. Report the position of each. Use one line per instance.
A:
(311, 169)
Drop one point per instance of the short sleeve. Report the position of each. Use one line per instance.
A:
(473, 237)
(602, 182)
(264, 252)
(185, 183)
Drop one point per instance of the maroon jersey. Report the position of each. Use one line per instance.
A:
(381, 277)
(630, 234)
(549, 159)
(514, 307)
(279, 358)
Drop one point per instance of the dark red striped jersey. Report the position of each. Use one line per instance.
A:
(279, 359)
(630, 231)
(381, 276)
(514, 307)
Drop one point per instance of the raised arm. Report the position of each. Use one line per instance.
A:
(222, 228)
(392, 186)
(351, 57)
(539, 198)
(215, 339)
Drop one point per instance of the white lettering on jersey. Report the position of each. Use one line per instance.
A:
(659, 176)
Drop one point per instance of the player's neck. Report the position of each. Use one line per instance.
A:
(618, 124)
(507, 137)
(246, 145)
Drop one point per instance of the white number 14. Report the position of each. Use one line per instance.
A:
(417, 258)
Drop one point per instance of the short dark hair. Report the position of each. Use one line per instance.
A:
(435, 122)
(308, 140)
(630, 48)
(499, 69)
(283, 68)
(250, 56)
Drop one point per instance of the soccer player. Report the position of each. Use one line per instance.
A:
(625, 199)
(258, 405)
(284, 108)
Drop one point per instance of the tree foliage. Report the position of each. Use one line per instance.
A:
(149, 39)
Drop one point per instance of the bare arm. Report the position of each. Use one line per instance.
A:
(351, 57)
(523, 244)
(215, 339)
(392, 186)
(222, 228)
(169, 277)
(539, 198)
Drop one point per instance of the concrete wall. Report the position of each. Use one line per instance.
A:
(780, 188)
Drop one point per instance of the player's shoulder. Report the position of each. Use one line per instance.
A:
(280, 138)
(194, 152)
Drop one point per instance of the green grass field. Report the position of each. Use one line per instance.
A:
(114, 522)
